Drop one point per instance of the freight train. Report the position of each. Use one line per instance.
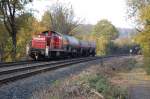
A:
(51, 44)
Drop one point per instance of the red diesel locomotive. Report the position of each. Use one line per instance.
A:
(50, 44)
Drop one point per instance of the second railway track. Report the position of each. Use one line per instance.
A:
(9, 64)
(9, 74)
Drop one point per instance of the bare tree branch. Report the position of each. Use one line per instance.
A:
(63, 19)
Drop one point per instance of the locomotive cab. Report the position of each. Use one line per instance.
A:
(46, 44)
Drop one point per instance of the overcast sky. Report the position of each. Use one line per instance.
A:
(91, 10)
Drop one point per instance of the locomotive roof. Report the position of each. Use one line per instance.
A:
(52, 32)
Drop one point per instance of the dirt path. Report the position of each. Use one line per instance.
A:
(138, 84)
(139, 92)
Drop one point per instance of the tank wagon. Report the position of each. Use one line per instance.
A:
(50, 44)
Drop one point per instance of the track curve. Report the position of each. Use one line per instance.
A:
(13, 73)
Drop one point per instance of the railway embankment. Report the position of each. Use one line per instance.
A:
(99, 81)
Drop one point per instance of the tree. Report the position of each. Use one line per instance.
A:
(106, 29)
(46, 20)
(62, 19)
(104, 32)
(9, 10)
(3, 40)
(140, 11)
(134, 10)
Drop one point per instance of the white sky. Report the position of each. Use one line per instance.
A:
(91, 10)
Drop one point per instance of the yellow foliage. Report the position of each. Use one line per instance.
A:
(144, 13)
(101, 45)
(143, 39)
(37, 28)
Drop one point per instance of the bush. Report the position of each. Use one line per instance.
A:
(101, 85)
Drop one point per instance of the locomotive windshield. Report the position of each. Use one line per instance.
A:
(45, 33)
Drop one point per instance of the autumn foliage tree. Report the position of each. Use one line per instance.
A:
(139, 10)
(104, 32)
(9, 10)
(106, 29)
(46, 20)
(3, 40)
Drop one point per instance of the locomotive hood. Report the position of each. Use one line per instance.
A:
(39, 42)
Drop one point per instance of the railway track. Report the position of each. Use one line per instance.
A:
(10, 73)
